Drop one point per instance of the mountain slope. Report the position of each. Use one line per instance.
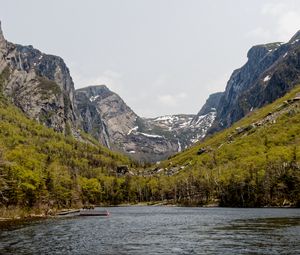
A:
(45, 169)
(108, 118)
(189, 129)
(255, 162)
(39, 84)
(271, 70)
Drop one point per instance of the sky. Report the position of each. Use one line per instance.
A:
(161, 56)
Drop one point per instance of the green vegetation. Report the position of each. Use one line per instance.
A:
(253, 163)
(40, 168)
(47, 86)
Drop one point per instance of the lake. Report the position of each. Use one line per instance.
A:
(161, 230)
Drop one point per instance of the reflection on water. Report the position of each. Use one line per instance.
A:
(161, 230)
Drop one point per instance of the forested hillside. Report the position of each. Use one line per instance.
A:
(253, 163)
(40, 168)
(256, 162)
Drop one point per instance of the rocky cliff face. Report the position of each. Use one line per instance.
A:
(39, 84)
(107, 117)
(211, 103)
(271, 71)
(187, 129)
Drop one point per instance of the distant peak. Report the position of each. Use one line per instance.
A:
(95, 90)
(98, 86)
(295, 37)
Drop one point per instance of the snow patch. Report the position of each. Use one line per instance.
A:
(184, 124)
(297, 40)
(179, 146)
(285, 55)
(149, 135)
(169, 118)
(267, 78)
(93, 98)
(131, 152)
(133, 129)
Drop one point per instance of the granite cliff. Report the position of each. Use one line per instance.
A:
(271, 71)
(107, 117)
(39, 84)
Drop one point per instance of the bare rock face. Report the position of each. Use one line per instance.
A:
(271, 70)
(107, 117)
(39, 84)
(104, 114)
(211, 103)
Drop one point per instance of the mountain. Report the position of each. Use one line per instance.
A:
(45, 169)
(107, 118)
(39, 84)
(211, 103)
(255, 162)
(189, 129)
(271, 71)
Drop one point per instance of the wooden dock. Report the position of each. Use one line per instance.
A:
(94, 213)
(84, 212)
(68, 212)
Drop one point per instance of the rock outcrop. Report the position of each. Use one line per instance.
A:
(39, 84)
(107, 117)
(211, 103)
(271, 71)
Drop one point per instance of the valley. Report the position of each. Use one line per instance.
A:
(62, 147)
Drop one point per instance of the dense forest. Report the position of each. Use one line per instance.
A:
(256, 162)
(253, 163)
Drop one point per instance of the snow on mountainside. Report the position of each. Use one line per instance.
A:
(271, 70)
(107, 117)
(187, 129)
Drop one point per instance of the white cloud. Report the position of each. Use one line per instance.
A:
(160, 82)
(171, 100)
(273, 8)
(289, 24)
(110, 78)
(259, 32)
(285, 20)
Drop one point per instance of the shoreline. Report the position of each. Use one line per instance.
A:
(40, 216)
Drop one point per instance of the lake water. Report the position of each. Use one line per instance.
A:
(161, 230)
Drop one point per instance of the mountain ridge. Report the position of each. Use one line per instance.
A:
(271, 71)
(146, 139)
(42, 87)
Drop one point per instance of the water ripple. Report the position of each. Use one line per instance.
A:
(161, 230)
